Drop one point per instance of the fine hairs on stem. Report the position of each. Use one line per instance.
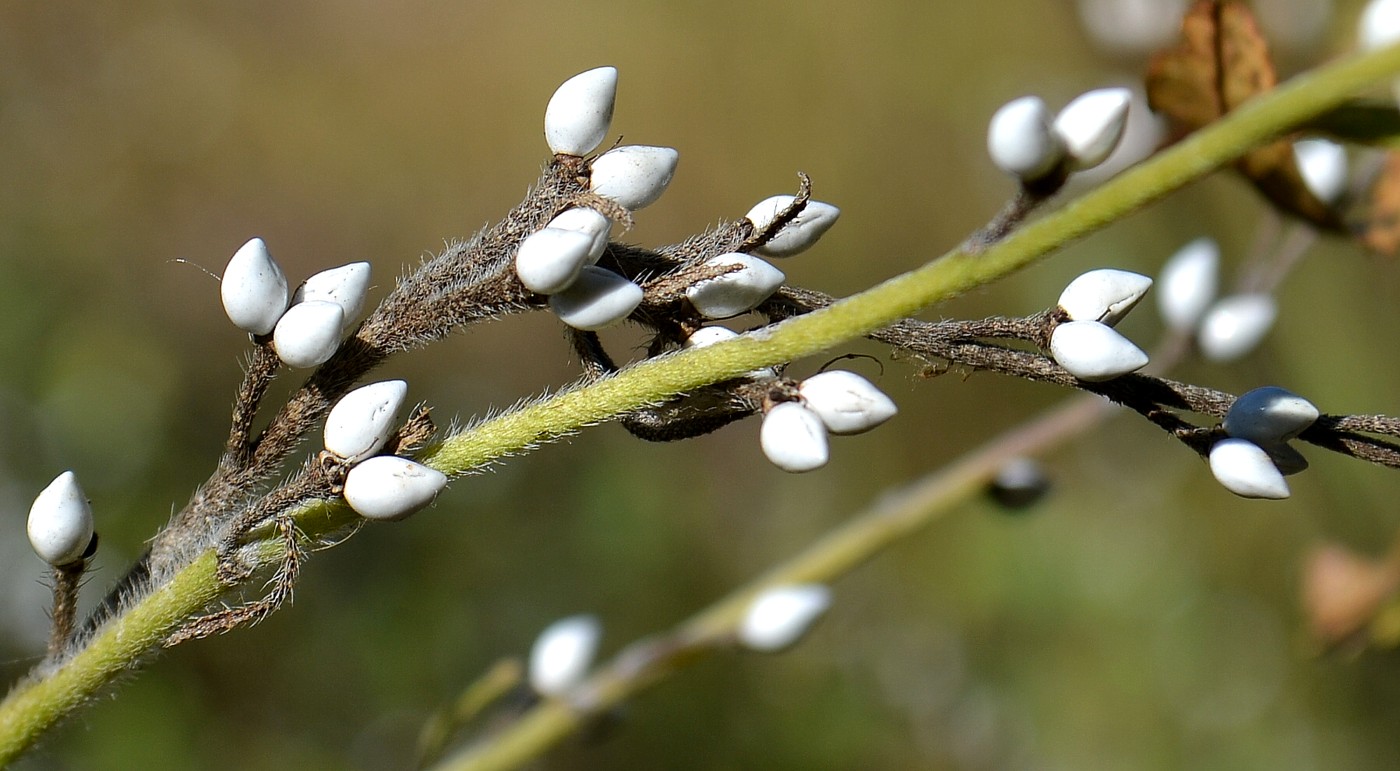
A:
(317, 445)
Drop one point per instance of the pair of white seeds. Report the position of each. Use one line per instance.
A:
(1027, 142)
(560, 260)
(1253, 461)
(378, 487)
(776, 619)
(794, 433)
(306, 326)
(1226, 328)
(1087, 345)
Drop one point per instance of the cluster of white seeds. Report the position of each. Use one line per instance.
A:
(306, 325)
(1253, 461)
(60, 522)
(1027, 142)
(563, 653)
(1087, 345)
(1226, 328)
(794, 433)
(380, 487)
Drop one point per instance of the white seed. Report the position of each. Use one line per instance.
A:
(779, 617)
(794, 438)
(580, 111)
(254, 289)
(1094, 352)
(846, 402)
(1104, 295)
(585, 220)
(308, 333)
(345, 286)
(1134, 27)
(1379, 24)
(1246, 470)
(1235, 325)
(709, 336)
(800, 233)
(1323, 164)
(1268, 415)
(60, 521)
(633, 175)
(562, 654)
(1187, 284)
(360, 423)
(387, 487)
(549, 260)
(1091, 125)
(1286, 459)
(598, 298)
(1020, 140)
(1019, 483)
(735, 292)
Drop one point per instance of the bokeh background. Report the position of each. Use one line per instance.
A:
(1140, 617)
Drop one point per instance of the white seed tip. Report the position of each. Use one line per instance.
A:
(735, 292)
(1092, 124)
(1379, 24)
(1246, 470)
(1269, 415)
(794, 438)
(1235, 325)
(633, 175)
(549, 260)
(709, 336)
(800, 233)
(1094, 352)
(585, 220)
(360, 423)
(60, 521)
(1020, 140)
(308, 333)
(1104, 295)
(1323, 165)
(253, 288)
(779, 617)
(846, 402)
(598, 298)
(389, 488)
(1187, 284)
(345, 286)
(562, 654)
(580, 111)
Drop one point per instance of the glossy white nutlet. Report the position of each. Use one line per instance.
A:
(1094, 352)
(60, 521)
(1268, 415)
(800, 233)
(779, 617)
(1323, 165)
(551, 259)
(794, 438)
(388, 488)
(633, 175)
(846, 402)
(361, 422)
(1104, 295)
(254, 288)
(1131, 26)
(1246, 470)
(1188, 282)
(709, 336)
(308, 333)
(735, 292)
(1019, 483)
(580, 111)
(1379, 24)
(1092, 124)
(1021, 141)
(598, 298)
(563, 653)
(585, 220)
(1235, 325)
(345, 286)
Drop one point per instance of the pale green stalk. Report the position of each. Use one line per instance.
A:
(37, 704)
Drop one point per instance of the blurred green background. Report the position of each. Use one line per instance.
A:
(1140, 618)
